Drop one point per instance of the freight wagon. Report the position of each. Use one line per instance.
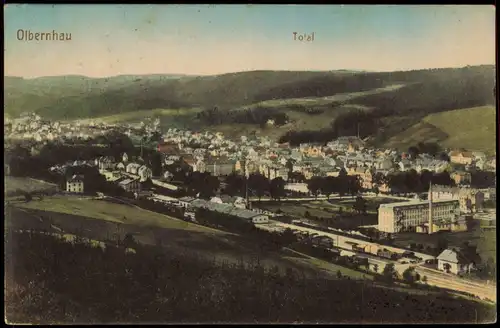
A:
(323, 241)
(387, 254)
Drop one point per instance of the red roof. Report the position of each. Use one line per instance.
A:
(167, 148)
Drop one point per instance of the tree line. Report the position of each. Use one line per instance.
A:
(411, 181)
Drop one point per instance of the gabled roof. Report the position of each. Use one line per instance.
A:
(126, 181)
(76, 178)
(456, 256)
(466, 154)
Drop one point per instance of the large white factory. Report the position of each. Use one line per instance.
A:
(427, 216)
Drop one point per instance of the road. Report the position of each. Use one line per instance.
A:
(333, 197)
(444, 280)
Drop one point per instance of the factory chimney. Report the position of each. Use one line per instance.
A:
(429, 197)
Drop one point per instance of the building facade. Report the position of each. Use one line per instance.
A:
(409, 216)
(469, 198)
(75, 184)
(454, 261)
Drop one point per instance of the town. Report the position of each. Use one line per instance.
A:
(359, 205)
(250, 164)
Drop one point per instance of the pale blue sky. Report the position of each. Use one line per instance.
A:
(144, 39)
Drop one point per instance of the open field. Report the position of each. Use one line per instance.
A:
(15, 185)
(372, 204)
(140, 115)
(338, 98)
(324, 209)
(469, 128)
(103, 210)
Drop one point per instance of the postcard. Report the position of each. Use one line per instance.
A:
(259, 164)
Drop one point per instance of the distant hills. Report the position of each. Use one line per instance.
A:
(418, 93)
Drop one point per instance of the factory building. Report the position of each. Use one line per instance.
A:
(469, 198)
(420, 216)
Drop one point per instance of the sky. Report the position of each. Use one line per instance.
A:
(108, 40)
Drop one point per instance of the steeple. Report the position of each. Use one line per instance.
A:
(429, 197)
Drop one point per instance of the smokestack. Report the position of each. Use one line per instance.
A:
(430, 208)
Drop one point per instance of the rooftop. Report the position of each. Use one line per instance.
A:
(225, 208)
(455, 255)
(76, 177)
(415, 202)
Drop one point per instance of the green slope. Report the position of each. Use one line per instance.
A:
(469, 128)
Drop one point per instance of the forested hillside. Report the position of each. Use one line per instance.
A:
(299, 101)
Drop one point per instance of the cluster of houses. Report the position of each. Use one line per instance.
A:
(30, 126)
(211, 152)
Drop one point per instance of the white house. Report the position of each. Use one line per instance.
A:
(145, 173)
(75, 184)
(133, 168)
(455, 261)
(124, 157)
(106, 163)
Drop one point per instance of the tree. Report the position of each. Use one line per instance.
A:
(235, 184)
(413, 152)
(396, 182)
(314, 185)
(203, 183)
(409, 275)
(443, 179)
(379, 179)
(277, 188)
(430, 148)
(129, 241)
(425, 180)
(441, 244)
(360, 205)
(389, 273)
(289, 166)
(353, 185)
(443, 156)
(28, 197)
(258, 183)
(329, 186)
(412, 181)
(288, 237)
